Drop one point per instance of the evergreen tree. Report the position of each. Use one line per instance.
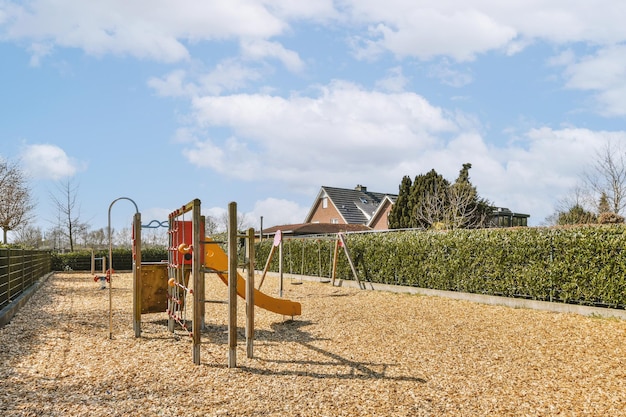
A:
(400, 214)
(431, 201)
(428, 199)
(576, 215)
(603, 204)
(466, 209)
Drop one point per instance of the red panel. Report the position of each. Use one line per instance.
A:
(183, 233)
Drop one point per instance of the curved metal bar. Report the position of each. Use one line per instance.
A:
(110, 271)
(164, 223)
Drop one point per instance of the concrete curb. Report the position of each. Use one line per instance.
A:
(8, 312)
(475, 298)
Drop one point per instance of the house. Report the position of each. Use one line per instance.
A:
(356, 206)
(337, 210)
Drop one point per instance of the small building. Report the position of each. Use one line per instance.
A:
(503, 217)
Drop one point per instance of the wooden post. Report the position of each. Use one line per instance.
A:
(170, 271)
(280, 268)
(137, 275)
(93, 263)
(201, 283)
(198, 293)
(347, 252)
(250, 296)
(267, 265)
(278, 238)
(335, 255)
(232, 285)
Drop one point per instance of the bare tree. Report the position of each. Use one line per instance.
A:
(55, 239)
(97, 238)
(154, 238)
(69, 212)
(608, 177)
(453, 208)
(15, 198)
(242, 221)
(210, 225)
(122, 238)
(28, 236)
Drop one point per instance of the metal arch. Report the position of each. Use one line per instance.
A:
(110, 271)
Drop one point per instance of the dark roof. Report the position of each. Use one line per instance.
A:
(314, 228)
(356, 206)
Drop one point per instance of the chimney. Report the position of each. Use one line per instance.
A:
(360, 187)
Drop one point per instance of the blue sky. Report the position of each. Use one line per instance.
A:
(263, 102)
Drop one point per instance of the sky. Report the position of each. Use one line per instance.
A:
(263, 102)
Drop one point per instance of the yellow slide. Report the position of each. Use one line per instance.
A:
(215, 258)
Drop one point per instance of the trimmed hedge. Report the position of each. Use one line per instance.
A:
(122, 259)
(585, 264)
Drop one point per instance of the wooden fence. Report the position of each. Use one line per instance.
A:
(19, 270)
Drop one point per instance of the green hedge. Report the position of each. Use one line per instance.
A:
(122, 259)
(585, 265)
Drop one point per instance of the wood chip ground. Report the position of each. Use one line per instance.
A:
(351, 353)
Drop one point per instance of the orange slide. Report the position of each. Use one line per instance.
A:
(215, 258)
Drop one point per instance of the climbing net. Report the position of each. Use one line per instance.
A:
(179, 269)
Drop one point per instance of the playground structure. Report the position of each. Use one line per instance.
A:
(177, 283)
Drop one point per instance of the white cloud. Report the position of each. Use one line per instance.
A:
(395, 82)
(461, 31)
(45, 161)
(276, 212)
(143, 28)
(603, 73)
(448, 75)
(162, 29)
(426, 31)
(302, 139)
(173, 85)
(260, 49)
(228, 75)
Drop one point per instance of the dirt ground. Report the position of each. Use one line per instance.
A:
(351, 353)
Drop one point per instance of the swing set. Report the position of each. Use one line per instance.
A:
(278, 244)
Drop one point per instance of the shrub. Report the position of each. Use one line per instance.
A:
(579, 264)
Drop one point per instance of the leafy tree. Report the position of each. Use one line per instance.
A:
(15, 198)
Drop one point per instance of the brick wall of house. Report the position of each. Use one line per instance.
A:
(326, 215)
(381, 222)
